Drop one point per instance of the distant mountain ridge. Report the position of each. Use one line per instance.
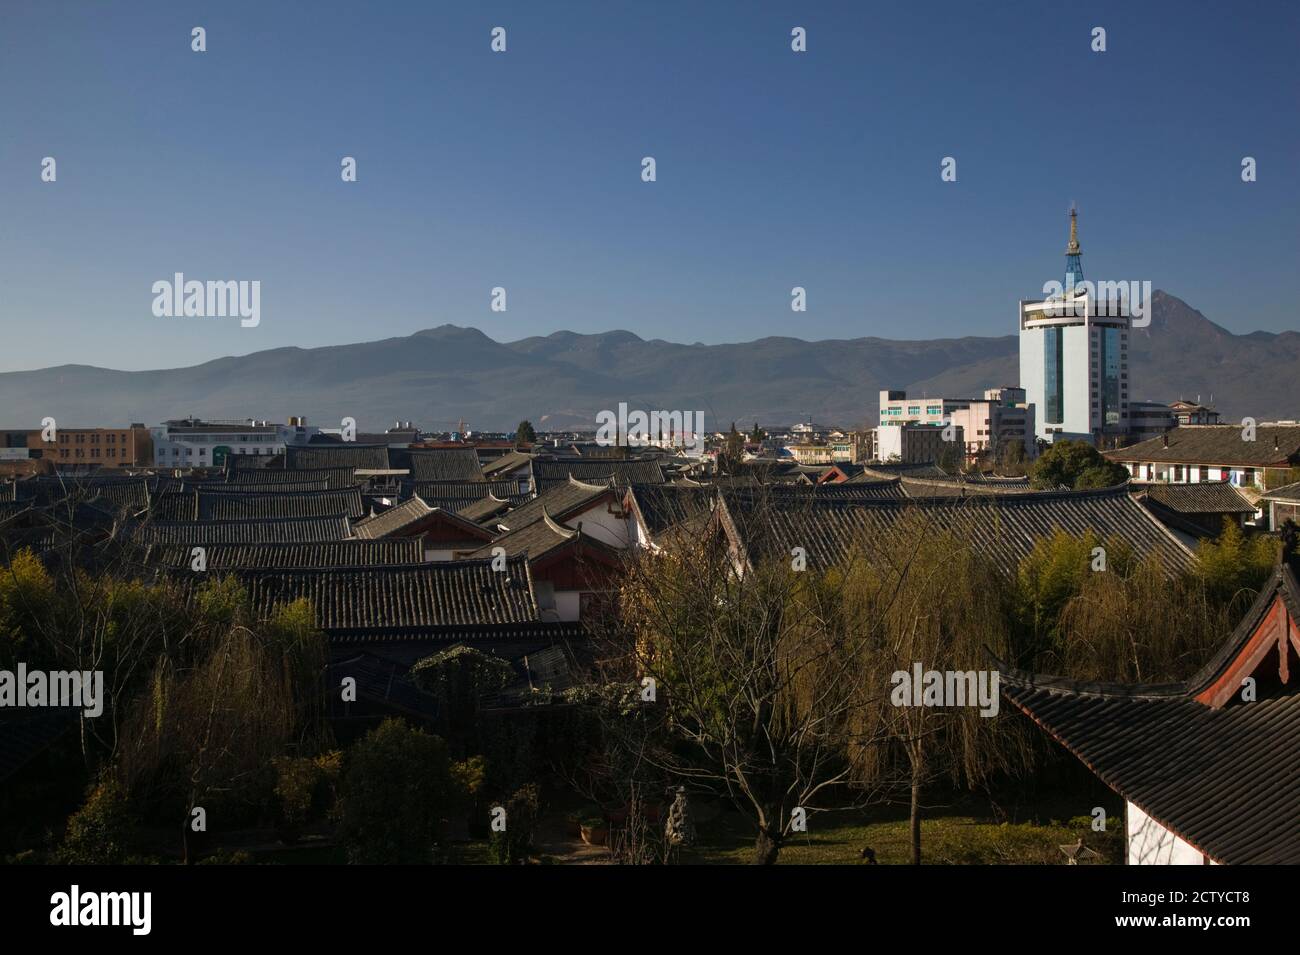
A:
(439, 375)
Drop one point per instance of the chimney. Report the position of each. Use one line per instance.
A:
(1165, 438)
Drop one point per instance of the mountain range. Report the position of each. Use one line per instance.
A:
(438, 376)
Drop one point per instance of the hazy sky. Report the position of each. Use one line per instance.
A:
(523, 169)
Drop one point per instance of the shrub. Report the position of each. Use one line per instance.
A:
(396, 789)
(305, 785)
(98, 833)
(512, 846)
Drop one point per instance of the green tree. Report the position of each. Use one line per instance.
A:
(397, 788)
(1075, 464)
(1234, 566)
(732, 453)
(524, 433)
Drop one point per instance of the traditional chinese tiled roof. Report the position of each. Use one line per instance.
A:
(1222, 776)
(117, 492)
(342, 553)
(1218, 497)
(541, 539)
(491, 506)
(442, 594)
(562, 501)
(297, 531)
(548, 474)
(238, 506)
(1003, 527)
(1274, 446)
(463, 492)
(410, 513)
(372, 457)
(439, 464)
(335, 477)
(247, 487)
(1289, 493)
(662, 507)
(507, 462)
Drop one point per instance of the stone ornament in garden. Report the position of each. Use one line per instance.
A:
(680, 828)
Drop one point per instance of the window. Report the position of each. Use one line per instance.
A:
(1054, 375)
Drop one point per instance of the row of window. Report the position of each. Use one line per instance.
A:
(65, 453)
(81, 437)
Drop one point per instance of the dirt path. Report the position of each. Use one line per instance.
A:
(553, 839)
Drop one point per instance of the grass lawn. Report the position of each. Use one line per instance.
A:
(951, 839)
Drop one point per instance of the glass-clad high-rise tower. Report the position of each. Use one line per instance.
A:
(1074, 356)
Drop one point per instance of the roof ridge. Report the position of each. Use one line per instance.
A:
(565, 532)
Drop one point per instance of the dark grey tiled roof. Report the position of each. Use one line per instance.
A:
(509, 461)
(273, 487)
(843, 493)
(1002, 527)
(242, 505)
(398, 519)
(8, 491)
(1227, 781)
(308, 530)
(373, 457)
(1274, 446)
(955, 487)
(338, 477)
(534, 541)
(561, 502)
(879, 471)
(662, 507)
(343, 553)
(214, 506)
(490, 506)
(538, 539)
(548, 474)
(413, 643)
(439, 464)
(462, 593)
(464, 492)
(392, 520)
(1288, 492)
(1206, 498)
(117, 492)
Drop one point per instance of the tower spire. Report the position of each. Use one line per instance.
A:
(1073, 254)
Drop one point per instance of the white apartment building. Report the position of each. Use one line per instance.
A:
(915, 443)
(1001, 416)
(192, 443)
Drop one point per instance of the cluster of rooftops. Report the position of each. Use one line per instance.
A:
(406, 551)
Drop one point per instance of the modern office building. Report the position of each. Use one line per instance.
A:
(1074, 356)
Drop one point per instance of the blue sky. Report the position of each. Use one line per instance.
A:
(522, 169)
